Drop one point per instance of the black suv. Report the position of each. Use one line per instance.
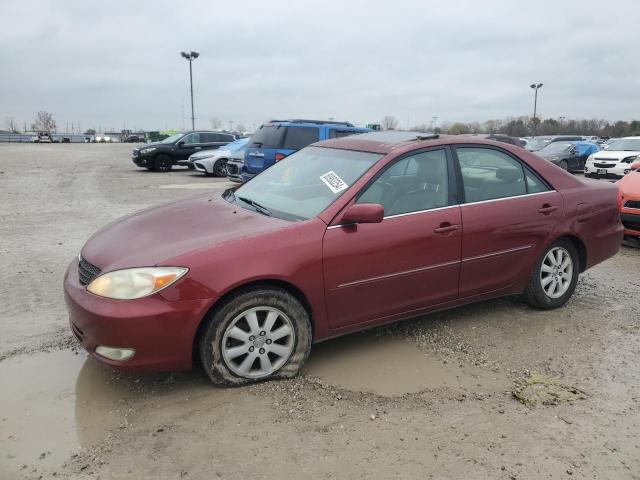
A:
(176, 149)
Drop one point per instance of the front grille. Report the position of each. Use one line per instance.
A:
(135, 153)
(631, 222)
(632, 204)
(604, 165)
(87, 272)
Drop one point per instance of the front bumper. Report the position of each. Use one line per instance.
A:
(234, 170)
(142, 160)
(160, 331)
(595, 169)
(200, 167)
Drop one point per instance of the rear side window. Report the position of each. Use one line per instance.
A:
(224, 137)
(268, 136)
(299, 137)
(207, 137)
(488, 174)
(191, 139)
(534, 184)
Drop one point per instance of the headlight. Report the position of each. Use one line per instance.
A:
(590, 158)
(631, 159)
(134, 283)
(148, 150)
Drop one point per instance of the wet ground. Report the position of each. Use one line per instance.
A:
(426, 398)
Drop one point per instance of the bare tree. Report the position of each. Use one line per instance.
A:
(389, 122)
(241, 128)
(215, 123)
(44, 122)
(11, 124)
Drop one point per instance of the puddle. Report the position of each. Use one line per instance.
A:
(53, 404)
(188, 185)
(389, 366)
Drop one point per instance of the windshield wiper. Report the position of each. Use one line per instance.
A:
(256, 205)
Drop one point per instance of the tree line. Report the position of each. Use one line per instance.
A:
(525, 126)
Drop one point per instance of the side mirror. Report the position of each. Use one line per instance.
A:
(635, 166)
(180, 143)
(363, 213)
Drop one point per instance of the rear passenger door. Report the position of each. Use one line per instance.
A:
(508, 214)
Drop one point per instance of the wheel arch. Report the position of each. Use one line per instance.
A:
(289, 287)
(580, 248)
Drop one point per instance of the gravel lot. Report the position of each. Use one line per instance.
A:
(426, 398)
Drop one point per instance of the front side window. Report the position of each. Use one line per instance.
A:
(299, 137)
(304, 183)
(413, 184)
(488, 174)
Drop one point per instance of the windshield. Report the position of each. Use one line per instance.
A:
(537, 143)
(556, 147)
(173, 138)
(304, 183)
(622, 144)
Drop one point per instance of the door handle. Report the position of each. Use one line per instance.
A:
(446, 227)
(197, 148)
(546, 209)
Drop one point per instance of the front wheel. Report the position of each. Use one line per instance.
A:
(554, 277)
(564, 165)
(220, 168)
(259, 334)
(162, 163)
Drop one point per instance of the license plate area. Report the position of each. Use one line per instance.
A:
(602, 171)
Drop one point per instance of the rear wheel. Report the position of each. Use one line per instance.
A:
(564, 165)
(220, 168)
(554, 277)
(259, 334)
(162, 163)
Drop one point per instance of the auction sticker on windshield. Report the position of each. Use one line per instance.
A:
(333, 181)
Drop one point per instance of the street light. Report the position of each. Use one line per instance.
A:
(535, 86)
(191, 56)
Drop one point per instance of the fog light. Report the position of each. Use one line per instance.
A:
(115, 353)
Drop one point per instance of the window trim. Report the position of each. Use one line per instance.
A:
(523, 165)
(452, 194)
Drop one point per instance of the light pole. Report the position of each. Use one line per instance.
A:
(191, 56)
(535, 86)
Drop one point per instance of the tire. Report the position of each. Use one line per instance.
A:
(220, 168)
(232, 352)
(162, 163)
(540, 292)
(150, 168)
(564, 165)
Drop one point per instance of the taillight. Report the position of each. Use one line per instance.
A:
(279, 156)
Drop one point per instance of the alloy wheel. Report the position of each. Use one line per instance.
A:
(258, 342)
(556, 272)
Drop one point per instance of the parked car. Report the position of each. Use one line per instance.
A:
(537, 143)
(277, 139)
(569, 156)
(214, 162)
(175, 150)
(235, 164)
(629, 200)
(340, 236)
(616, 160)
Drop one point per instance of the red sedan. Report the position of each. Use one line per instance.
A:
(343, 235)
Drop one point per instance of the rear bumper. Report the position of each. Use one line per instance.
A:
(160, 331)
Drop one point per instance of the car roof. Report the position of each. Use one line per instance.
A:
(378, 142)
(310, 122)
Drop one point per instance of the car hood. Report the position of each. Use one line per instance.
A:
(630, 184)
(614, 155)
(153, 236)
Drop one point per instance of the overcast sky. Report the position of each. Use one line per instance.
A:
(115, 64)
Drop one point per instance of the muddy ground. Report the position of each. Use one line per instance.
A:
(426, 398)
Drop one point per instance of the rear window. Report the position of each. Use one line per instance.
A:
(268, 136)
(299, 137)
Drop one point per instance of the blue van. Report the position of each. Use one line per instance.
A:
(278, 138)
